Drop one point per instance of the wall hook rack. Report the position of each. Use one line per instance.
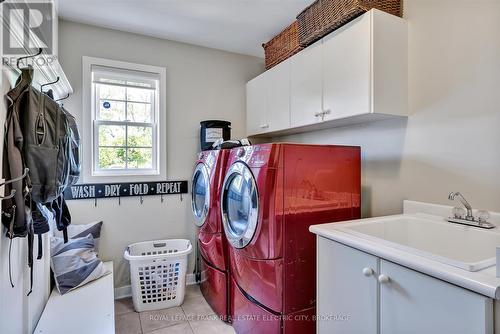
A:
(112, 190)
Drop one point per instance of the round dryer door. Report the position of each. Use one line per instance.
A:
(200, 194)
(239, 205)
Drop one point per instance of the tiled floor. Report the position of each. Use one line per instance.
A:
(194, 317)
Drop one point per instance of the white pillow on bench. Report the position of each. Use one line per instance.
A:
(82, 230)
(75, 263)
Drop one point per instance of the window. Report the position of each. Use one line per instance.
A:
(126, 122)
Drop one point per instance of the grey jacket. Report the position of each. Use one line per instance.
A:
(16, 211)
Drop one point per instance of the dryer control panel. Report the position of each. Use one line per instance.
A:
(257, 155)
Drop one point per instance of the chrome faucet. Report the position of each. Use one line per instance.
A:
(464, 202)
(480, 221)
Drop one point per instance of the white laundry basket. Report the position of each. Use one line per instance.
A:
(158, 273)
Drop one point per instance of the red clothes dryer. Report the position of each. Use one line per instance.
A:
(212, 245)
(270, 196)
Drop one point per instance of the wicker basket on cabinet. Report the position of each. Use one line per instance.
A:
(324, 16)
(282, 46)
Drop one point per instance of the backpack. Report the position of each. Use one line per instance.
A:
(50, 150)
(44, 146)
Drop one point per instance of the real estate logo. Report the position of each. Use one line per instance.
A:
(26, 27)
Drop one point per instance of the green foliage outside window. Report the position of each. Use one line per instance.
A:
(125, 146)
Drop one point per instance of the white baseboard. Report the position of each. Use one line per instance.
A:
(123, 292)
(126, 291)
(190, 279)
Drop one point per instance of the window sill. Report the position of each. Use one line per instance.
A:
(120, 178)
(125, 173)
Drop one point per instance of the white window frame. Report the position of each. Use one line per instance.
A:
(90, 136)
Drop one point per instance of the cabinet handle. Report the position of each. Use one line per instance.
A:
(383, 279)
(323, 113)
(264, 126)
(368, 272)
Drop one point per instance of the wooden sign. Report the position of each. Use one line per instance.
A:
(110, 190)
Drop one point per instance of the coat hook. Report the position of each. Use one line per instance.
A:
(181, 197)
(28, 56)
(63, 98)
(142, 200)
(48, 84)
(26, 171)
(162, 199)
(119, 200)
(95, 201)
(12, 194)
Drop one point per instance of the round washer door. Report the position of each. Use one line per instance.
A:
(239, 205)
(200, 194)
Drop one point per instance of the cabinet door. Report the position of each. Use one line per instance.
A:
(346, 90)
(256, 105)
(278, 97)
(411, 302)
(346, 298)
(306, 86)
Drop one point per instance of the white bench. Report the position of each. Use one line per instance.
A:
(86, 310)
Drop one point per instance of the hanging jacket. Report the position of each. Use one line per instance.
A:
(37, 137)
(46, 132)
(16, 214)
(74, 154)
(41, 136)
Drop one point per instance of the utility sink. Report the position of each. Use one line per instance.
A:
(465, 247)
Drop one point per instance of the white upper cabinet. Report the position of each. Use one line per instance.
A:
(268, 101)
(356, 74)
(278, 97)
(347, 70)
(256, 105)
(306, 89)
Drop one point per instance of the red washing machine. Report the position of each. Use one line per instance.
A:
(271, 194)
(212, 244)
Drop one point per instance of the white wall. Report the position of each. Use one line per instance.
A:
(451, 140)
(202, 84)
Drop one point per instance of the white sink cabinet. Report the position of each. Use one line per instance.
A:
(362, 293)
